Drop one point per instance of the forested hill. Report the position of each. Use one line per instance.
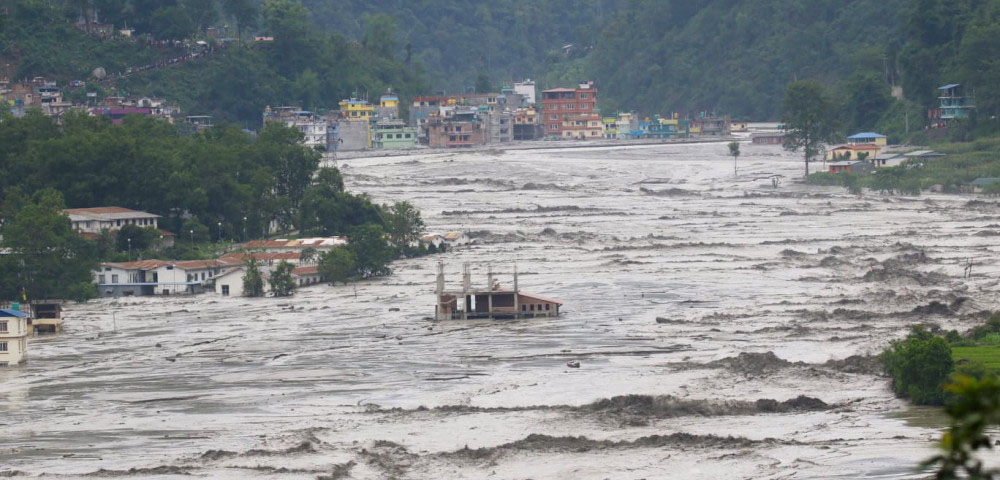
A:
(734, 56)
(731, 56)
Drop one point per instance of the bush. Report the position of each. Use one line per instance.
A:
(919, 366)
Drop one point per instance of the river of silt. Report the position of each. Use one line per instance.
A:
(723, 326)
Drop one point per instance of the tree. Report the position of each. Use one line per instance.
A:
(808, 118)
(282, 283)
(308, 255)
(371, 251)
(253, 282)
(194, 231)
(204, 13)
(868, 98)
(141, 238)
(337, 265)
(482, 83)
(171, 23)
(974, 409)
(380, 34)
(403, 224)
(244, 12)
(47, 259)
(734, 150)
(919, 366)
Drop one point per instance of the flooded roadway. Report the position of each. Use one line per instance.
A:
(723, 328)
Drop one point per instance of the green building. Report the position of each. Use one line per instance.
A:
(393, 135)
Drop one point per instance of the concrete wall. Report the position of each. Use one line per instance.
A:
(353, 136)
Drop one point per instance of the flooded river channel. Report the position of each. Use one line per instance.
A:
(723, 328)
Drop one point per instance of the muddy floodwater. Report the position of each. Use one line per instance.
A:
(723, 329)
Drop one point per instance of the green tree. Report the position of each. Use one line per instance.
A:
(403, 224)
(482, 83)
(380, 35)
(253, 281)
(244, 12)
(868, 98)
(919, 366)
(734, 151)
(337, 265)
(194, 231)
(371, 251)
(172, 23)
(204, 13)
(808, 118)
(973, 410)
(282, 283)
(141, 238)
(308, 255)
(47, 258)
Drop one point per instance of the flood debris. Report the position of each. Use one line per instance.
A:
(142, 472)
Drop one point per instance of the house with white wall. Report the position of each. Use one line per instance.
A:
(13, 337)
(91, 221)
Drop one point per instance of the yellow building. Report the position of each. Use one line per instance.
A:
(356, 110)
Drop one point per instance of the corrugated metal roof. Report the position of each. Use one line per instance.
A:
(858, 136)
(949, 86)
(12, 313)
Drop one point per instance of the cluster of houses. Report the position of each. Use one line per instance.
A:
(49, 98)
(475, 119)
(223, 275)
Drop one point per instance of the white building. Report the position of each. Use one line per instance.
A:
(13, 337)
(157, 277)
(526, 89)
(93, 220)
(314, 128)
(451, 239)
(230, 284)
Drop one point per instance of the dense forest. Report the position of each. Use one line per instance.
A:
(726, 56)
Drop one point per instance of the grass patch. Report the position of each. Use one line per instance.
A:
(989, 355)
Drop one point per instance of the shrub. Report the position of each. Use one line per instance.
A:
(919, 366)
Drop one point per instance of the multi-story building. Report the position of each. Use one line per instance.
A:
(627, 125)
(562, 102)
(388, 106)
(95, 219)
(459, 127)
(393, 134)
(610, 127)
(952, 104)
(526, 124)
(13, 337)
(527, 90)
(355, 110)
(313, 127)
(582, 126)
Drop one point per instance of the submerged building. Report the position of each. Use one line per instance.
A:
(491, 302)
(13, 337)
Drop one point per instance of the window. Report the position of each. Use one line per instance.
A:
(584, 106)
(118, 223)
(524, 308)
(3, 346)
(102, 279)
(114, 278)
(553, 117)
(547, 306)
(552, 106)
(532, 307)
(553, 127)
(202, 275)
(399, 135)
(583, 95)
(451, 138)
(408, 135)
(3, 326)
(225, 290)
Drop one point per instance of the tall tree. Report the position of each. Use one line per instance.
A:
(809, 119)
(380, 34)
(47, 258)
(337, 265)
(253, 281)
(244, 12)
(204, 13)
(403, 224)
(734, 151)
(282, 283)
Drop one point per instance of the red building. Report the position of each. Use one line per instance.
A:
(561, 102)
